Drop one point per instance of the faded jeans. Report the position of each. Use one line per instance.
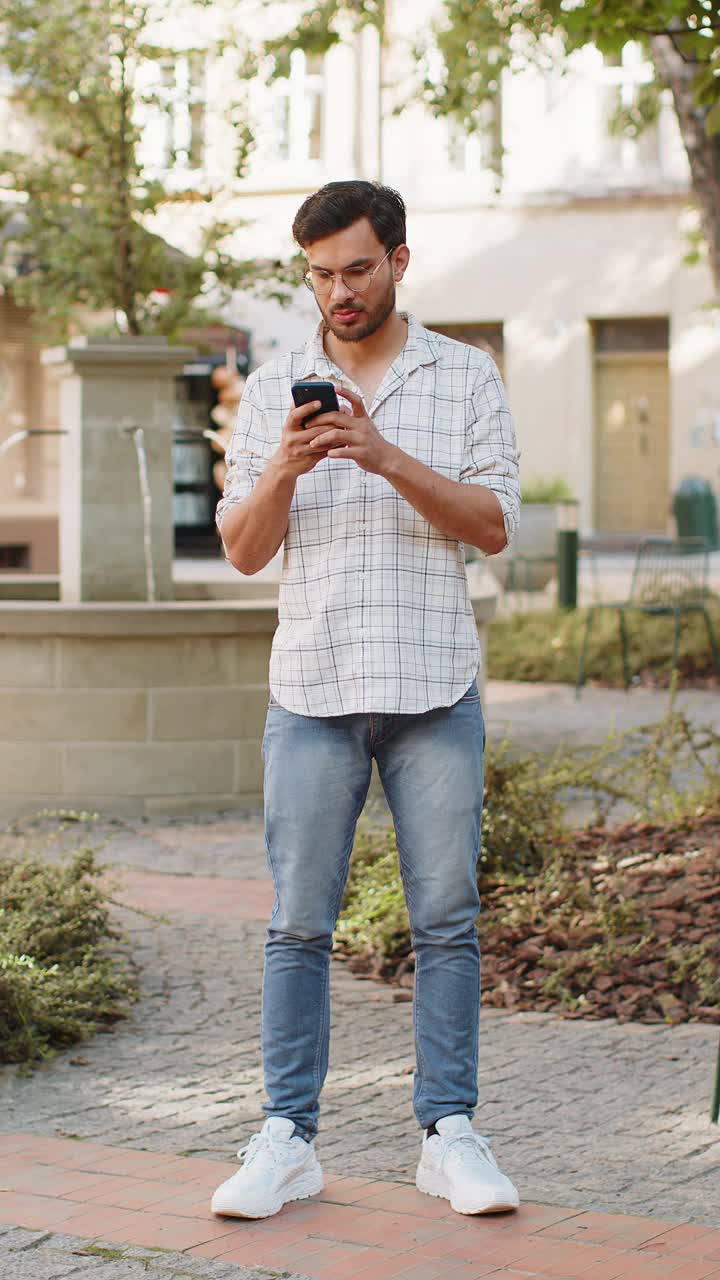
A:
(317, 775)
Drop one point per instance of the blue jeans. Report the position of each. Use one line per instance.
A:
(317, 775)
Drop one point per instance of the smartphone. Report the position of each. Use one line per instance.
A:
(306, 392)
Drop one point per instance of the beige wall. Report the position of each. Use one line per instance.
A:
(546, 273)
(133, 709)
(136, 709)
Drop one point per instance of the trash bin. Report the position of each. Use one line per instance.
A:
(695, 510)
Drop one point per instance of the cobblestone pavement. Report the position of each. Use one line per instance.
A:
(41, 1255)
(594, 1114)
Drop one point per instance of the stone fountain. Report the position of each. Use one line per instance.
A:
(119, 697)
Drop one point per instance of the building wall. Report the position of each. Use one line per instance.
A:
(582, 226)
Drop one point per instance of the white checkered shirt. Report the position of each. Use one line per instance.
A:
(374, 608)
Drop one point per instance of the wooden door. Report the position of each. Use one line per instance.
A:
(632, 443)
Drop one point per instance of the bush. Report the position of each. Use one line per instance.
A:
(57, 980)
(610, 921)
(544, 645)
(521, 826)
(546, 489)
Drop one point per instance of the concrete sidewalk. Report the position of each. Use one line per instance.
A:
(541, 717)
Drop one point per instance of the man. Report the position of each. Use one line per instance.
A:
(375, 655)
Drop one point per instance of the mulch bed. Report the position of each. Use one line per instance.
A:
(631, 931)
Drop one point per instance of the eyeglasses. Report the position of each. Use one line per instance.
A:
(356, 279)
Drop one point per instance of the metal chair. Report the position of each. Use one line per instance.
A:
(670, 579)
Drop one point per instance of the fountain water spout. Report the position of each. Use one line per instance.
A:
(138, 436)
(17, 437)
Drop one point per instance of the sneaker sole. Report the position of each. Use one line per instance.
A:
(433, 1184)
(308, 1185)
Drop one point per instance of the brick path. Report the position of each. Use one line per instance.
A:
(359, 1228)
(589, 1118)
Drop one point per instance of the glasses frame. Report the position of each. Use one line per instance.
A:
(334, 275)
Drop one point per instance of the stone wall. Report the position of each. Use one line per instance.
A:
(133, 709)
(141, 709)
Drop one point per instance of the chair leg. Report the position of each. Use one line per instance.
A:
(624, 646)
(713, 641)
(715, 1107)
(583, 652)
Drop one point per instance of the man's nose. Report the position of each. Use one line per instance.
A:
(343, 291)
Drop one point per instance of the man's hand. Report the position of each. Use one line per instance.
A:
(298, 451)
(352, 434)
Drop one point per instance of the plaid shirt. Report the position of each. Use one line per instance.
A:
(374, 608)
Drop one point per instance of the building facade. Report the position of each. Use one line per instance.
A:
(544, 238)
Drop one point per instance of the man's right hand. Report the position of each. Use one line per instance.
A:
(295, 454)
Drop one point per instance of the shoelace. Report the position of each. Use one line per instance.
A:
(470, 1145)
(261, 1145)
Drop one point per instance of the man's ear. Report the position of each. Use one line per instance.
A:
(401, 258)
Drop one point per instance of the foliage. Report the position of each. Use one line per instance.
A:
(76, 228)
(320, 26)
(544, 645)
(478, 42)
(578, 921)
(546, 489)
(58, 982)
(461, 64)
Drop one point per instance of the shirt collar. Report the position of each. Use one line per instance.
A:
(420, 348)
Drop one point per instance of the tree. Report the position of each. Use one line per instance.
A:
(478, 40)
(79, 198)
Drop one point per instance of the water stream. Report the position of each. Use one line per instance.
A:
(18, 436)
(138, 436)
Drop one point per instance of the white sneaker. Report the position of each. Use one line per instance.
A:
(457, 1164)
(277, 1167)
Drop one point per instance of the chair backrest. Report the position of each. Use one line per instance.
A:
(671, 571)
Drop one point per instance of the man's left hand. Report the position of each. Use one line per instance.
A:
(352, 434)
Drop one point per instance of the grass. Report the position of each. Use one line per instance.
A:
(544, 645)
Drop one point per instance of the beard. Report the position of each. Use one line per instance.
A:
(368, 322)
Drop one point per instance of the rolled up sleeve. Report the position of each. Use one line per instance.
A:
(247, 454)
(491, 456)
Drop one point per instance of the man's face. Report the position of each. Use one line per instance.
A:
(349, 315)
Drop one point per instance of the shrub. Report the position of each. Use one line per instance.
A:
(544, 645)
(546, 489)
(58, 982)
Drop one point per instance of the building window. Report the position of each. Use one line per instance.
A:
(624, 83)
(471, 152)
(299, 109)
(174, 131)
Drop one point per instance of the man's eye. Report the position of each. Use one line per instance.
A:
(355, 273)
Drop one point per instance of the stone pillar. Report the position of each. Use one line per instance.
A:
(108, 386)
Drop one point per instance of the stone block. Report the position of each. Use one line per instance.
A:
(54, 715)
(144, 662)
(30, 769)
(150, 769)
(230, 713)
(252, 657)
(26, 662)
(249, 767)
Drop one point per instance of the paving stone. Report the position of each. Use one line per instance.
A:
(602, 1116)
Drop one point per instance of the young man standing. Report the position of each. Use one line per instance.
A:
(375, 655)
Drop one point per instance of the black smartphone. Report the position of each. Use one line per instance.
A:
(307, 391)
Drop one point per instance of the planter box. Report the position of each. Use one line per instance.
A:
(530, 563)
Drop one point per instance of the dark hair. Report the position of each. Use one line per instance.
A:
(338, 204)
